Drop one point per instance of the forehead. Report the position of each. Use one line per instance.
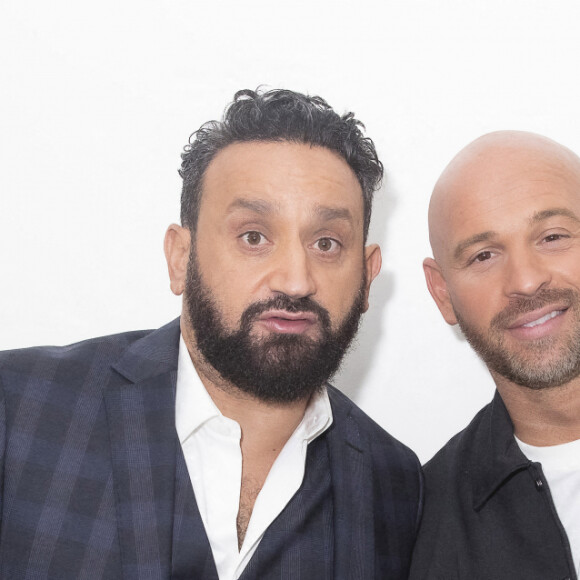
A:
(279, 174)
(502, 195)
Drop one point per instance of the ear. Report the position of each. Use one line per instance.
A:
(176, 246)
(373, 260)
(438, 289)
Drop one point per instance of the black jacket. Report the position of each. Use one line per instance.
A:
(488, 511)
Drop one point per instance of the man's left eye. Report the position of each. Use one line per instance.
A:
(327, 244)
(553, 237)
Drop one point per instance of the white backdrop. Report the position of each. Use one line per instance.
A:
(97, 100)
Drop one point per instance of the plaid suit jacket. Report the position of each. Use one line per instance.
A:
(94, 485)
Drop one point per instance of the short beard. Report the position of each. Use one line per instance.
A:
(281, 368)
(532, 368)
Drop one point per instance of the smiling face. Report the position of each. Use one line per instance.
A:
(278, 268)
(505, 231)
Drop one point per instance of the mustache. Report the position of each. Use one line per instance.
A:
(284, 302)
(522, 305)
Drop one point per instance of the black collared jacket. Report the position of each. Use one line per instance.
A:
(488, 511)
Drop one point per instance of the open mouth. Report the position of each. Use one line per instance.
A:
(539, 323)
(543, 319)
(538, 317)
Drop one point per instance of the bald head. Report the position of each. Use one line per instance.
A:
(482, 174)
(504, 223)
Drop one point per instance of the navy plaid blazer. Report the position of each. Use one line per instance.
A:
(94, 484)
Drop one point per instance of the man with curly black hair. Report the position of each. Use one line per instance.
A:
(214, 447)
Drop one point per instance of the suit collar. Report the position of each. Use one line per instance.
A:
(154, 354)
(351, 478)
(342, 408)
(497, 455)
(144, 446)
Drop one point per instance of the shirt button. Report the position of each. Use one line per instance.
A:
(540, 487)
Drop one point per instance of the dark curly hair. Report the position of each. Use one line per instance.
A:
(279, 115)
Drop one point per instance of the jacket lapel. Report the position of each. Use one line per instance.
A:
(140, 406)
(498, 456)
(351, 479)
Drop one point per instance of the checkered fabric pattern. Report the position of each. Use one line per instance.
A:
(94, 485)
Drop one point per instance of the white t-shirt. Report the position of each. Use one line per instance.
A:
(561, 466)
(211, 446)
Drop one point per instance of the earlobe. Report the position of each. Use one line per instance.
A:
(438, 289)
(373, 261)
(177, 244)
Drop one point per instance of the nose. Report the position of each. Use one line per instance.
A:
(291, 273)
(526, 274)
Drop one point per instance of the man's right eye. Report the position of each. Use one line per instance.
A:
(253, 238)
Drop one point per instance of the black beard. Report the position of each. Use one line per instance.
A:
(544, 363)
(281, 368)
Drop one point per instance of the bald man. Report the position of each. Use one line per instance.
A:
(503, 496)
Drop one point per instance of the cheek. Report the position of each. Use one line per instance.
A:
(222, 271)
(227, 288)
(475, 304)
(569, 271)
(338, 293)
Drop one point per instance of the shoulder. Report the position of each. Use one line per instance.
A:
(385, 477)
(32, 361)
(58, 382)
(441, 542)
(57, 372)
(454, 458)
(383, 446)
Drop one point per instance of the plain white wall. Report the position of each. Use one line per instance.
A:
(98, 99)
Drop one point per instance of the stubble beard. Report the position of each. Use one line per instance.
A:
(544, 363)
(276, 368)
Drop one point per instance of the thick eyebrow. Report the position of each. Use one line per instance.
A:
(556, 211)
(255, 205)
(476, 239)
(333, 213)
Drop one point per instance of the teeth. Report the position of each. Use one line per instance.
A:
(543, 319)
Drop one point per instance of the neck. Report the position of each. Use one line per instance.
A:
(542, 417)
(265, 426)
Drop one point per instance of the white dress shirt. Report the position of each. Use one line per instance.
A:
(561, 466)
(211, 446)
